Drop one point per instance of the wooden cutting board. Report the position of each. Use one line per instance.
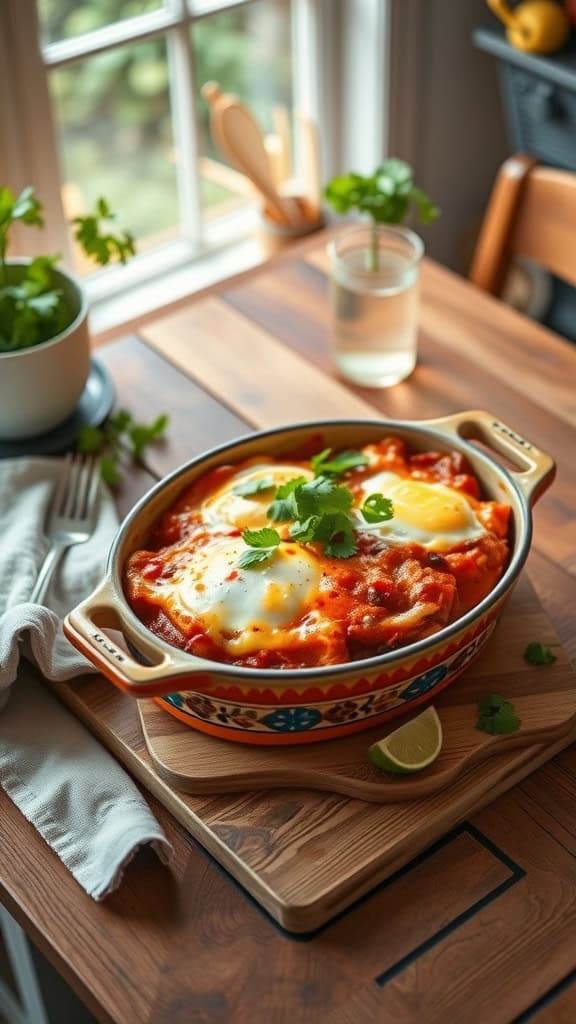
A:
(305, 855)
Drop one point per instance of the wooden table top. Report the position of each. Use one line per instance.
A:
(482, 926)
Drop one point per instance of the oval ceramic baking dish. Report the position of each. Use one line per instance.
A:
(300, 706)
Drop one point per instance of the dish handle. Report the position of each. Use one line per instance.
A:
(85, 628)
(535, 470)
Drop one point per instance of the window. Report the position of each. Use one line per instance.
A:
(106, 101)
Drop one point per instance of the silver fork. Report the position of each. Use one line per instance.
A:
(72, 515)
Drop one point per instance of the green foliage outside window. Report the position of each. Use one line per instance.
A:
(113, 109)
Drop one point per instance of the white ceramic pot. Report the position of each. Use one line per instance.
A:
(40, 386)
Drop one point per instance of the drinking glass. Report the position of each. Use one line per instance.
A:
(374, 281)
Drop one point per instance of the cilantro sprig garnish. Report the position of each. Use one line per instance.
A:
(248, 487)
(496, 716)
(319, 510)
(284, 507)
(539, 654)
(377, 509)
(261, 546)
(120, 433)
(324, 465)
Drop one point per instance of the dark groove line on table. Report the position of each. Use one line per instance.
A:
(517, 874)
(546, 999)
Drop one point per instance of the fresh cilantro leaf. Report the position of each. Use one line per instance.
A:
(342, 542)
(335, 530)
(322, 495)
(44, 305)
(109, 440)
(109, 470)
(320, 510)
(141, 435)
(28, 208)
(386, 196)
(537, 654)
(284, 508)
(305, 531)
(323, 465)
(33, 311)
(264, 538)
(158, 427)
(262, 545)
(254, 556)
(377, 509)
(496, 716)
(103, 209)
(39, 273)
(492, 703)
(102, 246)
(318, 460)
(119, 421)
(90, 439)
(244, 490)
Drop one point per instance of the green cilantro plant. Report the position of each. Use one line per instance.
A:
(121, 435)
(32, 309)
(387, 196)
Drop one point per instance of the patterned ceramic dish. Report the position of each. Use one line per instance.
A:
(300, 706)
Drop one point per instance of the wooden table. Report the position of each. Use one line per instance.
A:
(190, 945)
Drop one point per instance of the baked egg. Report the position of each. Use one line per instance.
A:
(430, 514)
(242, 609)
(247, 511)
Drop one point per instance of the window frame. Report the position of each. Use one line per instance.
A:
(340, 50)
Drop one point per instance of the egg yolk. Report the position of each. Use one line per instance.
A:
(248, 511)
(430, 514)
(429, 506)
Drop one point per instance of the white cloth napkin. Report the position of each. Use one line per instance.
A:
(65, 782)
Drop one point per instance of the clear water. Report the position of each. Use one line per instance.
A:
(375, 319)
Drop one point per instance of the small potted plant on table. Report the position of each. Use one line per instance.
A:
(375, 273)
(44, 340)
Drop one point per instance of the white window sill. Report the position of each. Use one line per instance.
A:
(155, 283)
(125, 312)
(149, 286)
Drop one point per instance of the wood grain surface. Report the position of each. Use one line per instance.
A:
(481, 926)
(544, 700)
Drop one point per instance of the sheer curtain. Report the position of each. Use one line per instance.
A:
(27, 150)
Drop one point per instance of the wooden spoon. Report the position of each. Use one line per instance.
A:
(239, 137)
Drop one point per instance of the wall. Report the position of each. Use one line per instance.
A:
(446, 115)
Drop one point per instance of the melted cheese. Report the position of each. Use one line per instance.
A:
(245, 609)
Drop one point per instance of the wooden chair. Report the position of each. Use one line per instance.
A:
(532, 213)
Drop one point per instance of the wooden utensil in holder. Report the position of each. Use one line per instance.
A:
(285, 215)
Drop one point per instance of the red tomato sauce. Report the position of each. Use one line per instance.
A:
(388, 594)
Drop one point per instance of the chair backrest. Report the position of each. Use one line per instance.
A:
(532, 212)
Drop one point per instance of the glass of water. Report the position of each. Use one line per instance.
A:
(374, 280)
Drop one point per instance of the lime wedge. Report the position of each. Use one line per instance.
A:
(410, 748)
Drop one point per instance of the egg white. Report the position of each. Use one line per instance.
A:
(430, 514)
(249, 511)
(245, 610)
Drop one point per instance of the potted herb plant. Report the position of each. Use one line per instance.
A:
(375, 273)
(44, 340)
